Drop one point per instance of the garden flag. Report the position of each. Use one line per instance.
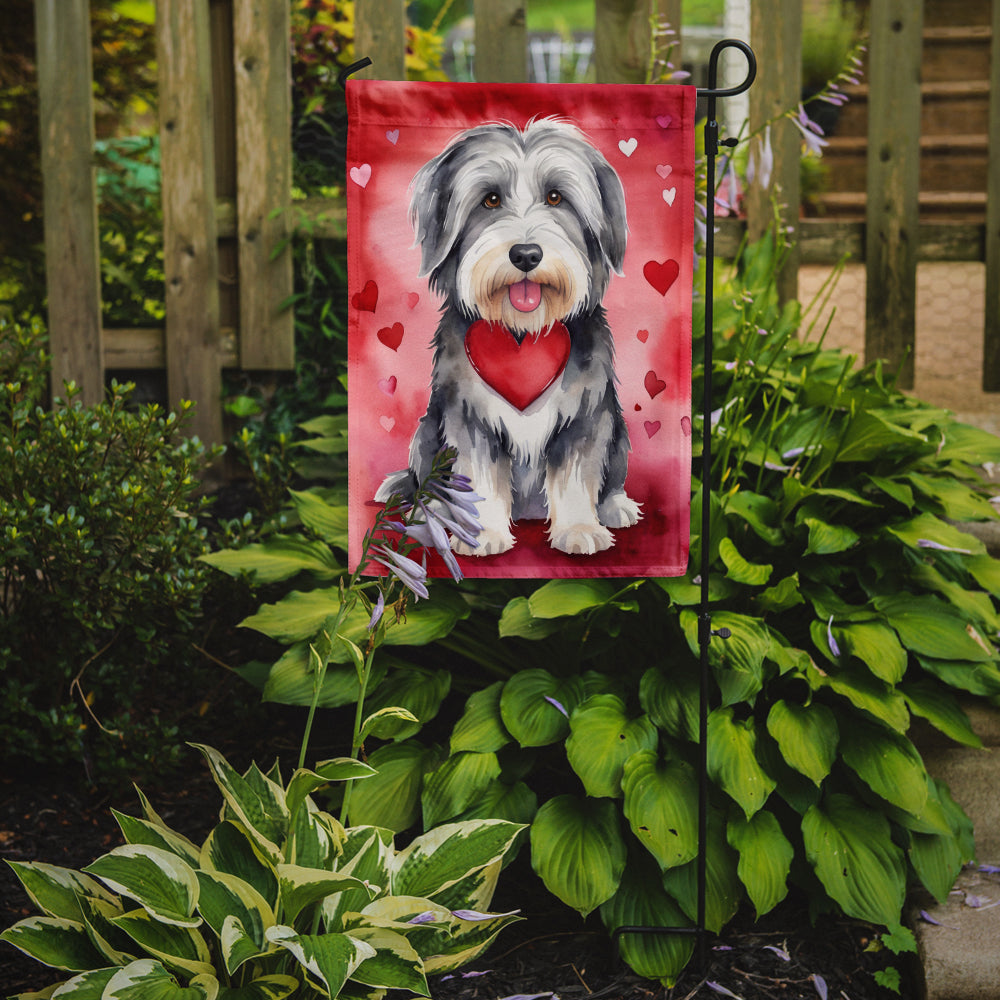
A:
(519, 278)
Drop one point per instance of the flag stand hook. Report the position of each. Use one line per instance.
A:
(705, 630)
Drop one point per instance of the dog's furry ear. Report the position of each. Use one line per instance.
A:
(613, 230)
(430, 197)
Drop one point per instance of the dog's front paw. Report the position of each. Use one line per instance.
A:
(618, 511)
(491, 542)
(581, 539)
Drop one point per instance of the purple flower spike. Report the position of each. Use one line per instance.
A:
(780, 952)
(411, 574)
(820, 984)
(834, 647)
(427, 917)
(719, 988)
(927, 543)
(377, 612)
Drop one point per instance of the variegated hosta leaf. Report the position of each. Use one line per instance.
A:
(230, 849)
(315, 838)
(304, 782)
(441, 857)
(481, 727)
(661, 805)
(56, 891)
(476, 890)
(149, 980)
(54, 941)
(850, 847)
(807, 736)
(578, 851)
(602, 737)
(225, 897)
(256, 801)
(765, 858)
(86, 986)
(116, 947)
(158, 880)
(467, 940)
(301, 887)
(367, 853)
(535, 706)
(732, 760)
(642, 902)
(395, 964)
(329, 959)
(456, 784)
(141, 831)
(275, 987)
(177, 947)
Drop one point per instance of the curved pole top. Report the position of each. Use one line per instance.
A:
(713, 69)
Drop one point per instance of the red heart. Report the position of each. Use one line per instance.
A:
(519, 372)
(652, 426)
(388, 385)
(654, 386)
(366, 298)
(643, 336)
(661, 276)
(412, 298)
(391, 336)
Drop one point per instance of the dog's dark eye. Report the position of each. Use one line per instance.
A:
(492, 200)
(553, 197)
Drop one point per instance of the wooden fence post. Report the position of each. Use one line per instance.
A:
(501, 41)
(72, 255)
(621, 40)
(991, 332)
(190, 251)
(262, 61)
(776, 35)
(892, 215)
(380, 34)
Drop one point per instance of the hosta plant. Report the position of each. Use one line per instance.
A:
(279, 900)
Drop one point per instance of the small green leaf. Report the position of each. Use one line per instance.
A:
(828, 539)
(517, 620)
(765, 858)
(327, 520)
(941, 709)
(279, 558)
(417, 690)
(301, 887)
(739, 569)
(481, 727)
(181, 948)
(671, 699)
(732, 760)
(807, 736)
(559, 598)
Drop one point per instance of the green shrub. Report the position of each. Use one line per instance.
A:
(99, 542)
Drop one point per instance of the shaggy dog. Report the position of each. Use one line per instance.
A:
(519, 231)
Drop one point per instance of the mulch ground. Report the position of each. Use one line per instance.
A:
(551, 952)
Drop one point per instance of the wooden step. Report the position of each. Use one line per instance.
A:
(956, 53)
(958, 206)
(945, 12)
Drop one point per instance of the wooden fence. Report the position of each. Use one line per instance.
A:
(226, 161)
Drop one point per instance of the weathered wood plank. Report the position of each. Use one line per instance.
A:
(262, 62)
(190, 254)
(501, 41)
(991, 332)
(144, 348)
(621, 40)
(668, 15)
(776, 35)
(380, 34)
(72, 257)
(893, 184)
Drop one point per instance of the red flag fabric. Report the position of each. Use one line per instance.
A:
(520, 278)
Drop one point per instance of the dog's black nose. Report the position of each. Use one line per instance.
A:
(525, 256)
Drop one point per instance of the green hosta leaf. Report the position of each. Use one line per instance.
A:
(530, 706)
(147, 979)
(928, 528)
(732, 760)
(516, 803)
(870, 436)
(893, 488)
(578, 851)
(941, 709)
(517, 620)
(850, 847)
(141, 831)
(937, 859)
(965, 443)
(395, 964)
(231, 850)
(443, 856)
(481, 728)
(415, 689)
(683, 592)
(723, 889)
(56, 891)
(783, 595)
(807, 736)
(758, 511)
(54, 941)
(225, 897)
(661, 799)
(641, 901)
(738, 661)
(866, 692)
(671, 699)
(876, 646)
(274, 987)
(291, 680)
(327, 520)
(931, 628)
(180, 948)
(330, 959)
(260, 809)
(301, 887)
(304, 782)
(159, 881)
(765, 858)
(386, 723)
(559, 598)
(456, 784)
(828, 539)
(975, 605)
(751, 574)
(391, 798)
(602, 738)
(957, 501)
(888, 763)
(976, 678)
(986, 571)
(279, 558)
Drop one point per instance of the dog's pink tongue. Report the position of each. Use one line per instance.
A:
(525, 295)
